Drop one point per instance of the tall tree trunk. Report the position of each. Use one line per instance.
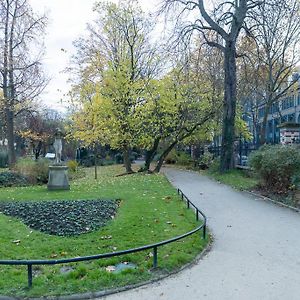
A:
(150, 155)
(126, 157)
(229, 109)
(163, 157)
(263, 129)
(10, 137)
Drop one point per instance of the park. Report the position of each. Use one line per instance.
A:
(150, 150)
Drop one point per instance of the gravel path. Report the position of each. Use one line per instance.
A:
(255, 254)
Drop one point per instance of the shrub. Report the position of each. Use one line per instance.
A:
(277, 166)
(183, 158)
(3, 159)
(206, 160)
(8, 179)
(35, 171)
(215, 165)
(72, 165)
(171, 157)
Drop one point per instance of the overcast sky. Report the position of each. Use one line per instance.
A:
(68, 19)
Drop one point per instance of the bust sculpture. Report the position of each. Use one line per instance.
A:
(58, 145)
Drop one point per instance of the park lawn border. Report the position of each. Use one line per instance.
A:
(163, 271)
(100, 294)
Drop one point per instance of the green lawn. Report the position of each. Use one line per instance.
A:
(238, 179)
(150, 211)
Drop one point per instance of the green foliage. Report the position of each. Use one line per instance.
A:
(206, 160)
(183, 158)
(277, 166)
(8, 179)
(3, 159)
(171, 157)
(72, 165)
(35, 170)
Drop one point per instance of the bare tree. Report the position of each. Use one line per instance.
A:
(21, 75)
(275, 27)
(225, 20)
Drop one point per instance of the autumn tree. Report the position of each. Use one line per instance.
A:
(122, 64)
(38, 129)
(224, 22)
(276, 32)
(21, 75)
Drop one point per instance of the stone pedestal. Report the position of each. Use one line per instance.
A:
(58, 178)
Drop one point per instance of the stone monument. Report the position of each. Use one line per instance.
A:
(58, 172)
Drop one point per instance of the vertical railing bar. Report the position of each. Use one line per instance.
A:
(154, 257)
(29, 273)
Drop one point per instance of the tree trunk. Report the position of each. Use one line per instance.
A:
(163, 156)
(229, 109)
(263, 129)
(95, 160)
(150, 155)
(10, 137)
(126, 157)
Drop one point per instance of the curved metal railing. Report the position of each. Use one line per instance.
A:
(30, 263)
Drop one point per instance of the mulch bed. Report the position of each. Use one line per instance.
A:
(63, 218)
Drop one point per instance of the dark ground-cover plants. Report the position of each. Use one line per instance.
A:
(63, 218)
(278, 167)
(8, 179)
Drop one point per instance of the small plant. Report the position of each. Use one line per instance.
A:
(206, 160)
(277, 166)
(72, 165)
(8, 179)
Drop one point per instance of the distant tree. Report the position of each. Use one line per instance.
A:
(276, 32)
(39, 128)
(22, 79)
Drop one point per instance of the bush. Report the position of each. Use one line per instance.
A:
(206, 160)
(215, 165)
(3, 159)
(72, 165)
(35, 171)
(183, 158)
(8, 179)
(278, 167)
(171, 157)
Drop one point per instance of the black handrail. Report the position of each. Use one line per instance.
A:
(30, 263)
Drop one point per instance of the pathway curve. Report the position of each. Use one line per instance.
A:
(255, 255)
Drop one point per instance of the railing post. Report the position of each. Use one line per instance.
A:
(188, 203)
(197, 215)
(29, 273)
(204, 232)
(155, 257)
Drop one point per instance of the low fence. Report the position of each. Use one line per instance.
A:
(241, 151)
(154, 247)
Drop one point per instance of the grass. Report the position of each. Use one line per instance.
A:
(238, 179)
(150, 211)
